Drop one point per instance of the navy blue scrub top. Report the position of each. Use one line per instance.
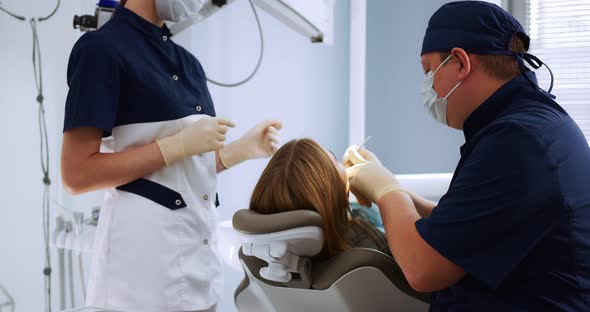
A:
(516, 216)
(129, 71)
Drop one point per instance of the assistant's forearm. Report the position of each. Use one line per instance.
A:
(218, 163)
(105, 170)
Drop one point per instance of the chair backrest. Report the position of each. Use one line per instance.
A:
(247, 221)
(284, 241)
(359, 279)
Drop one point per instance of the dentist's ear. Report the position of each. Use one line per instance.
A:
(464, 62)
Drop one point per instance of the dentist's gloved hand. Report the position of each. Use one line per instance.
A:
(368, 178)
(348, 163)
(205, 135)
(352, 153)
(261, 141)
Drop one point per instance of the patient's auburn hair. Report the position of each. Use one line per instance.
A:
(301, 175)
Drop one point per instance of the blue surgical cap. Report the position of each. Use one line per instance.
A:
(477, 27)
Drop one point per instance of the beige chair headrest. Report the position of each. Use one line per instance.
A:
(250, 222)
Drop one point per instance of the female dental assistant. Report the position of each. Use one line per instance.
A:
(155, 246)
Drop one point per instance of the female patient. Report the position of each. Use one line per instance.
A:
(304, 175)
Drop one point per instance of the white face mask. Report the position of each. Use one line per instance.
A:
(178, 10)
(436, 106)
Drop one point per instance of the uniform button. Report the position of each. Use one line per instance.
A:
(175, 77)
(178, 202)
(199, 108)
(205, 197)
(205, 241)
(165, 38)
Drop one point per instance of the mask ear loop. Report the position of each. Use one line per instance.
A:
(452, 90)
(535, 63)
(456, 86)
(441, 65)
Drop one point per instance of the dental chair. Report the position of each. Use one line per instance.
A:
(282, 275)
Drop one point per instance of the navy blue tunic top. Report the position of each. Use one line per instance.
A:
(516, 216)
(129, 71)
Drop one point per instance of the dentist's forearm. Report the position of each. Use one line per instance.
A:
(425, 269)
(399, 215)
(423, 205)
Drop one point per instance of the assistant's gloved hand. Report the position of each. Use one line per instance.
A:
(205, 135)
(261, 141)
(368, 178)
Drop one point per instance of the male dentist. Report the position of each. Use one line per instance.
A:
(513, 231)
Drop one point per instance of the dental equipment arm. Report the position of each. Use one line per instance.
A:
(312, 19)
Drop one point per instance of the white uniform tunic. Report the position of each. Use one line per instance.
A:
(155, 246)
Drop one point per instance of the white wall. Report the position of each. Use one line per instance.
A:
(21, 258)
(304, 85)
(405, 137)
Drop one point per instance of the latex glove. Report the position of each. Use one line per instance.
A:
(205, 135)
(368, 177)
(352, 153)
(348, 163)
(261, 141)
